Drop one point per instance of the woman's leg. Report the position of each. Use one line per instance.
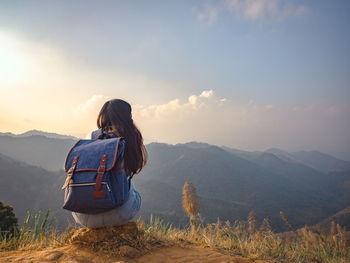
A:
(121, 215)
(115, 217)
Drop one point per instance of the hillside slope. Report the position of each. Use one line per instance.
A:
(321, 161)
(229, 185)
(342, 218)
(34, 189)
(304, 194)
(37, 150)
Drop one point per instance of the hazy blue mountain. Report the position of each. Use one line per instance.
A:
(196, 145)
(284, 155)
(304, 194)
(241, 153)
(9, 159)
(37, 150)
(230, 182)
(321, 161)
(163, 200)
(300, 174)
(342, 218)
(7, 134)
(42, 133)
(30, 188)
(317, 160)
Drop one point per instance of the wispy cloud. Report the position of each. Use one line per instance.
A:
(89, 107)
(173, 108)
(324, 107)
(202, 117)
(339, 109)
(259, 9)
(207, 13)
(207, 117)
(249, 9)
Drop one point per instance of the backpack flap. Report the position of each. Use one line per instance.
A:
(90, 152)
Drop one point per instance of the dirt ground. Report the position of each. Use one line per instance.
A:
(72, 254)
(118, 244)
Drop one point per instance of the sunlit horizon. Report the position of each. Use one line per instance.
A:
(227, 73)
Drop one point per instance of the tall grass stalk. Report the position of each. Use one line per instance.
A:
(36, 232)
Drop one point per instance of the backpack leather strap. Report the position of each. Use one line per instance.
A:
(70, 171)
(99, 192)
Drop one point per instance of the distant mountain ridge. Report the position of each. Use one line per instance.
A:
(38, 150)
(284, 155)
(31, 188)
(230, 182)
(317, 160)
(40, 133)
(342, 218)
(295, 180)
(321, 161)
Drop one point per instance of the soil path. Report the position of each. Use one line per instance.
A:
(193, 255)
(70, 254)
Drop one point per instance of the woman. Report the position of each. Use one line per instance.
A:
(115, 119)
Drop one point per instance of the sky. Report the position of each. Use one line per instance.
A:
(247, 74)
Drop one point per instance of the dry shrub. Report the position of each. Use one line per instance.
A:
(190, 203)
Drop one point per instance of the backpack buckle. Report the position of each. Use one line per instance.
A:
(70, 172)
(99, 193)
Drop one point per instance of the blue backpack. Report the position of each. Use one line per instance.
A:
(96, 180)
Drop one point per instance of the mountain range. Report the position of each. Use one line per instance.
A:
(40, 133)
(35, 148)
(308, 187)
(31, 188)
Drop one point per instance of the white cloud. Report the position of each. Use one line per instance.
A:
(82, 118)
(249, 9)
(316, 106)
(260, 9)
(203, 117)
(207, 94)
(208, 13)
(251, 125)
(89, 107)
(162, 112)
(192, 99)
(253, 9)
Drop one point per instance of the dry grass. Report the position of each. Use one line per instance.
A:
(243, 239)
(237, 238)
(35, 233)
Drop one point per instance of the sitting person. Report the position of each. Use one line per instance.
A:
(115, 119)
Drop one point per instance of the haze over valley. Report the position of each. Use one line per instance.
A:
(309, 187)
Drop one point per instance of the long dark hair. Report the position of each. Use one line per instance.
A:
(115, 116)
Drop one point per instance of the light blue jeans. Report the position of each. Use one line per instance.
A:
(115, 217)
